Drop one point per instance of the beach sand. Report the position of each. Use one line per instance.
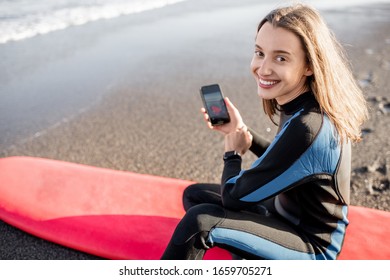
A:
(149, 121)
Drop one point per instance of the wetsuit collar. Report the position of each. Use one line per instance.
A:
(297, 103)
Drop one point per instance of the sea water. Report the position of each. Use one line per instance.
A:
(21, 19)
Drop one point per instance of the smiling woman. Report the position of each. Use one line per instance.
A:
(322, 60)
(279, 65)
(292, 203)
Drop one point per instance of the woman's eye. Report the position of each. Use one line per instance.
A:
(259, 53)
(280, 58)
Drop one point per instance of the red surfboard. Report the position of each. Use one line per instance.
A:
(124, 215)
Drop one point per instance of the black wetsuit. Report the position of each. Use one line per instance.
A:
(291, 203)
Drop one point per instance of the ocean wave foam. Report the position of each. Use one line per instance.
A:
(22, 19)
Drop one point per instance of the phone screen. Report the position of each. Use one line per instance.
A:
(215, 104)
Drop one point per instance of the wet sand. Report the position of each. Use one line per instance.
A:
(149, 122)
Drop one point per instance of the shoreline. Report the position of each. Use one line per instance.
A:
(151, 123)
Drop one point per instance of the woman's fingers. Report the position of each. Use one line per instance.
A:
(235, 119)
(239, 140)
(206, 118)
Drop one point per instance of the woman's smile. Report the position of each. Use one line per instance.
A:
(266, 84)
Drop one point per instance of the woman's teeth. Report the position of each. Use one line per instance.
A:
(267, 83)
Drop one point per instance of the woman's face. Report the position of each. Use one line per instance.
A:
(279, 64)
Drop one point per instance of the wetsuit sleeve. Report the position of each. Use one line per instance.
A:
(268, 174)
(259, 143)
(258, 147)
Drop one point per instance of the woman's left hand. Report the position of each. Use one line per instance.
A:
(239, 140)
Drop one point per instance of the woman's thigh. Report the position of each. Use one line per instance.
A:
(211, 193)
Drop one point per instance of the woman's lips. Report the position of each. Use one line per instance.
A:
(267, 83)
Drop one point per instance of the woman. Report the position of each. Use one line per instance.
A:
(293, 201)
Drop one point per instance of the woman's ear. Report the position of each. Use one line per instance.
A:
(308, 71)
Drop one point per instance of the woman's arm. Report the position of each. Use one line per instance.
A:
(285, 163)
(259, 143)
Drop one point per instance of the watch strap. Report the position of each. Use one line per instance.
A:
(231, 154)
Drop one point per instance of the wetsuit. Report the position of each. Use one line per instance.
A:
(290, 204)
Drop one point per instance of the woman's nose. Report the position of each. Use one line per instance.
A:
(264, 67)
(261, 66)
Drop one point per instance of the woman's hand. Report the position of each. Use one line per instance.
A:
(237, 136)
(239, 140)
(235, 123)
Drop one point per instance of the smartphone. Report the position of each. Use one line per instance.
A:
(214, 104)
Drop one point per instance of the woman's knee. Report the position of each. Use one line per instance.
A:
(188, 192)
(201, 193)
(189, 195)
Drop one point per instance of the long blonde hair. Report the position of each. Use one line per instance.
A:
(332, 82)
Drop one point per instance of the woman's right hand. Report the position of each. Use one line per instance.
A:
(236, 122)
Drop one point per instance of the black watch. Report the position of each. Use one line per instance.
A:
(231, 154)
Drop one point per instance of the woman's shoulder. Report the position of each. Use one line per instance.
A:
(308, 117)
(305, 126)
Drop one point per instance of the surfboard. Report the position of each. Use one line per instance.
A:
(125, 215)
